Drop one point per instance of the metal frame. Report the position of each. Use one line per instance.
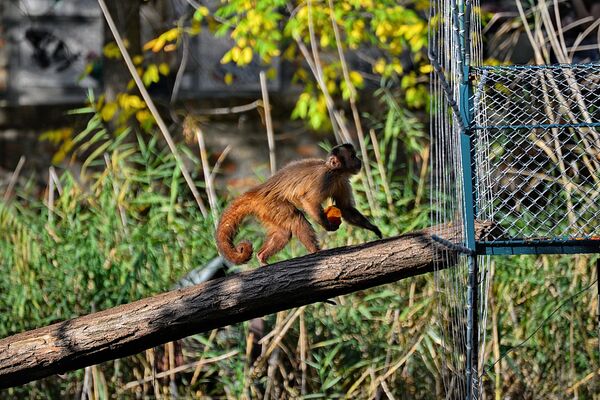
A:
(506, 246)
(513, 247)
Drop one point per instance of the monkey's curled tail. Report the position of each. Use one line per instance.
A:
(228, 227)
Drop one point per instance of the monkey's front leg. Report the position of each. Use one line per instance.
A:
(302, 229)
(316, 212)
(353, 216)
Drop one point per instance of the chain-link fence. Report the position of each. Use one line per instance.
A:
(536, 151)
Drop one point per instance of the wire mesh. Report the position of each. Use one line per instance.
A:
(455, 41)
(537, 151)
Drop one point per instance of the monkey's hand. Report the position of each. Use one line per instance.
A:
(376, 230)
(331, 226)
(316, 212)
(353, 216)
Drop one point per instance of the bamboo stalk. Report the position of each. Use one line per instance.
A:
(268, 121)
(151, 107)
(382, 173)
(357, 124)
(13, 178)
(210, 188)
(50, 198)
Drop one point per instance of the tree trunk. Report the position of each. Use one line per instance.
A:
(131, 328)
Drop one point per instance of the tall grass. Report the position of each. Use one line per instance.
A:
(122, 230)
(128, 227)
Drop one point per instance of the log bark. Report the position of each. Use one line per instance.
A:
(131, 328)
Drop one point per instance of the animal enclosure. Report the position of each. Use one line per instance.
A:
(515, 145)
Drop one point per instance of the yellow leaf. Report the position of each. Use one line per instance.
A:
(55, 136)
(137, 60)
(149, 44)
(143, 116)
(58, 157)
(160, 43)
(425, 69)
(108, 111)
(379, 66)
(235, 53)
(67, 145)
(164, 69)
(226, 57)
(397, 67)
(228, 78)
(246, 56)
(151, 75)
(356, 79)
(200, 13)
(271, 73)
(132, 101)
(331, 86)
(170, 47)
(195, 29)
(170, 35)
(289, 53)
(88, 69)
(111, 50)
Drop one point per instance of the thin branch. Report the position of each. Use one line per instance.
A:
(228, 110)
(219, 161)
(181, 368)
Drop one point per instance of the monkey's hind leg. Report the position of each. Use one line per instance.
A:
(275, 241)
(304, 231)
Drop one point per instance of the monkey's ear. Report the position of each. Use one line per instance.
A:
(334, 162)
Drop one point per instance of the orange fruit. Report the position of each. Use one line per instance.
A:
(334, 215)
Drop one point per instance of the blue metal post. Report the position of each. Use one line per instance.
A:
(466, 93)
(469, 226)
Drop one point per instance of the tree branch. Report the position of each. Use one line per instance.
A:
(131, 328)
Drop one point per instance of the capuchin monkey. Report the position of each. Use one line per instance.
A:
(276, 203)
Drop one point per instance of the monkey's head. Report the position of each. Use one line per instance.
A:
(343, 158)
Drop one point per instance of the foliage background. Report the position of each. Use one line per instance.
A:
(128, 227)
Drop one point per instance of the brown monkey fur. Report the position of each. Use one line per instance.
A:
(276, 203)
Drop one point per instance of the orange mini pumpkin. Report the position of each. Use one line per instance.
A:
(334, 215)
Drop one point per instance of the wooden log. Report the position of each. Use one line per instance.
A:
(131, 328)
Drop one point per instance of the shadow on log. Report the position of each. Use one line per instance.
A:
(131, 328)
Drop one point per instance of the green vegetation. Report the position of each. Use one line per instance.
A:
(128, 227)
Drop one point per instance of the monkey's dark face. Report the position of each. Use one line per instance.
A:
(344, 159)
